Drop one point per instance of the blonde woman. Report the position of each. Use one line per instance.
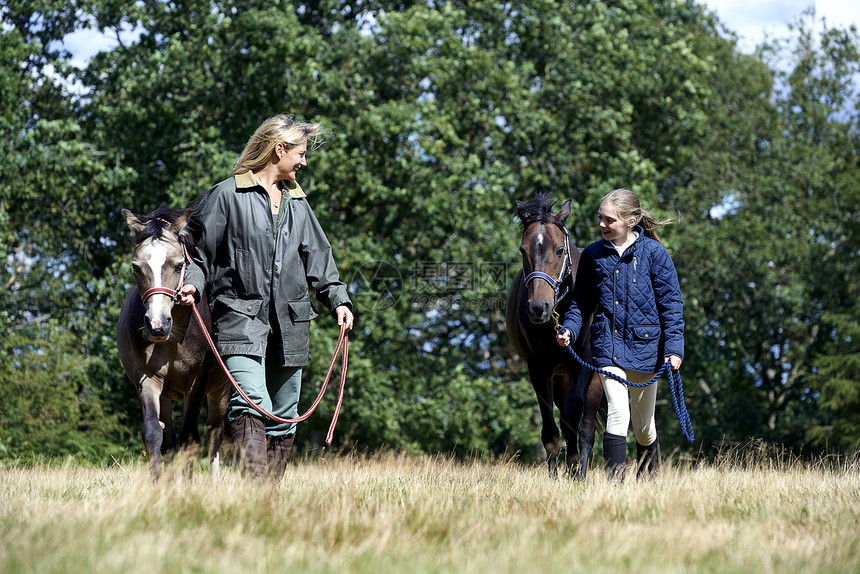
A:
(261, 254)
(630, 284)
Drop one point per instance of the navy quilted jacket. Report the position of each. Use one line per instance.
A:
(636, 300)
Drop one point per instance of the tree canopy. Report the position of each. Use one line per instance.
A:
(441, 114)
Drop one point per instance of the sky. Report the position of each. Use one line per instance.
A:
(750, 19)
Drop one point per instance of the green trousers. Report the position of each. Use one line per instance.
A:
(276, 389)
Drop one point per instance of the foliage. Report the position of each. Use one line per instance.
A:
(786, 258)
(51, 409)
(440, 116)
(55, 190)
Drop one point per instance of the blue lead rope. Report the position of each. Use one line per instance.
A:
(675, 388)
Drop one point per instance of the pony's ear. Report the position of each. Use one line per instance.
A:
(564, 213)
(178, 226)
(522, 210)
(135, 224)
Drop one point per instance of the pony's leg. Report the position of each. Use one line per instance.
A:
(168, 446)
(189, 434)
(549, 434)
(149, 392)
(574, 406)
(593, 400)
(561, 385)
(216, 409)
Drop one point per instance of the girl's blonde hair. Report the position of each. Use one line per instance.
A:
(628, 206)
(279, 129)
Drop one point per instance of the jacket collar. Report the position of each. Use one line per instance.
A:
(639, 238)
(247, 180)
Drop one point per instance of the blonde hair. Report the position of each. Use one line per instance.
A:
(628, 206)
(280, 129)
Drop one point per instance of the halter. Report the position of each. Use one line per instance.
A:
(172, 293)
(555, 283)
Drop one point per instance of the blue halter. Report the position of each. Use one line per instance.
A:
(565, 271)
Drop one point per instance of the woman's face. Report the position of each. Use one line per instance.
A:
(291, 160)
(611, 225)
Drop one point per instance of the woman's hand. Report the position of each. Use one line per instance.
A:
(563, 337)
(344, 317)
(186, 294)
(675, 360)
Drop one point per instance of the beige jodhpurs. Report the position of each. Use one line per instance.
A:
(630, 404)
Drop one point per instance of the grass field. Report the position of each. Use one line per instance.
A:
(391, 513)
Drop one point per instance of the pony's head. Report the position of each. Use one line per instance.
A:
(158, 263)
(546, 253)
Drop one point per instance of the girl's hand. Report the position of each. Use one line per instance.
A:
(563, 338)
(675, 360)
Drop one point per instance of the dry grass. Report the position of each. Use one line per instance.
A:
(403, 514)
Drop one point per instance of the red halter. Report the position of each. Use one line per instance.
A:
(172, 293)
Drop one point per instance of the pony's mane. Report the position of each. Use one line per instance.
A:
(158, 221)
(539, 210)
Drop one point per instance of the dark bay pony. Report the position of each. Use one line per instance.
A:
(542, 289)
(161, 345)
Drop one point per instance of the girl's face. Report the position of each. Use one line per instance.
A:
(611, 225)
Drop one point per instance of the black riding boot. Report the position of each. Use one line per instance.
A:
(249, 436)
(649, 460)
(278, 450)
(615, 454)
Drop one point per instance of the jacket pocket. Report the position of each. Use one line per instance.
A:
(646, 332)
(233, 318)
(645, 342)
(302, 310)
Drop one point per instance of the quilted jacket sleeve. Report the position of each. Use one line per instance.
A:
(584, 296)
(669, 304)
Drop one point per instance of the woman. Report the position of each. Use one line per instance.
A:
(630, 284)
(261, 252)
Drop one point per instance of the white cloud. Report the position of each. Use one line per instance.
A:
(86, 43)
(753, 19)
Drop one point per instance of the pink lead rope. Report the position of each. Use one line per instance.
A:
(343, 341)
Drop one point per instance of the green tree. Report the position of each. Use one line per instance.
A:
(51, 216)
(773, 270)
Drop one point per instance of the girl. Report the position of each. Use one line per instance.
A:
(629, 282)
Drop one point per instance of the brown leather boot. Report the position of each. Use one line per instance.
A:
(278, 452)
(249, 435)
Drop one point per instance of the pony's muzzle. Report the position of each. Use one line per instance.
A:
(158, 328)
(539, 311)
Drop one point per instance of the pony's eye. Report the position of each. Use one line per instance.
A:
(178, 267)
(134, 269)
(559, 251)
